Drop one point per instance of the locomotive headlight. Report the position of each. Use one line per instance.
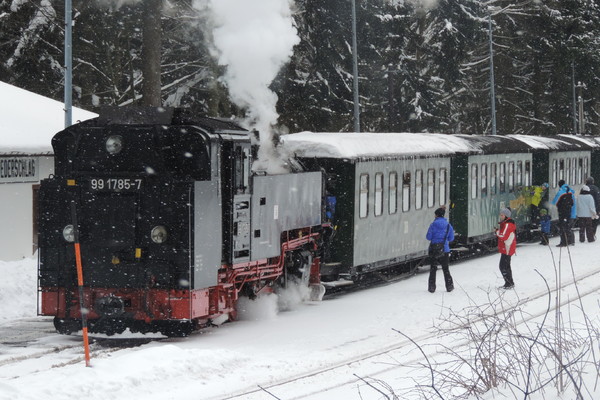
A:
(114, 144)
(69, 233)
(159, 234)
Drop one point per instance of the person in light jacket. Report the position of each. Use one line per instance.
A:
(586, 212)
(440, 231)
(595, 192)
(507, 244)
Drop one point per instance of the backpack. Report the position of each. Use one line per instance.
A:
(566, 200)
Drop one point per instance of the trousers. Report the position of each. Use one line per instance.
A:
(566, 233)
(444, 261)
(586, 228)
(505, 270)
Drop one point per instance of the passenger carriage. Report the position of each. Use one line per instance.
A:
(562, 157)
(487, 181)
(387, 187)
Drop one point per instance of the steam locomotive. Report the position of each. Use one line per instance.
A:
(175, 224)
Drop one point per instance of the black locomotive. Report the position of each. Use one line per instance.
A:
(172, 224)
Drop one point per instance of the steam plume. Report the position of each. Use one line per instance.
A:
(253, 39)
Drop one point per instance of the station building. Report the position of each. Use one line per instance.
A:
(27, 124)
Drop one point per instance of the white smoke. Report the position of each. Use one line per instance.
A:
(253, 39)
(423, 4)
(426, 4)
(291, 297)
(262, 308)
(267, 306)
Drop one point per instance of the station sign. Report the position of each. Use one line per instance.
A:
(19, 169)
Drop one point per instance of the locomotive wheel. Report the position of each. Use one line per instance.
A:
(66, 326)
(108, 326)
(176, 328)
(113, 327)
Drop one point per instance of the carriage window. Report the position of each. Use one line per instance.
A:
(363, 200)
(574, 170)
(474, 181)
(568, 171)
(418, 189)
(430, 188)
(519, 173)
(484, 183)
(493, 186)
(561, 169)
(393, 193)
(511, 177)
(586, 173)
(580, 171)
(378, 194)
(406, 191)
(502, 177)
(442, 186)
(527, 173)
(554, 173)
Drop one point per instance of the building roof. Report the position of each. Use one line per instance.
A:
(28, 121)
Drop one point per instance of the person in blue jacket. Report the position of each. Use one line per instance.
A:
(440, 233)
(567, 212)
(545, 225)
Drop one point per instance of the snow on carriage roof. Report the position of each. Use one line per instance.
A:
(29, 121)
(357, 145)
(551, 143)
(364, 145)
(591, 141)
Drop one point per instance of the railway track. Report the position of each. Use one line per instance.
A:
(341, 373)
(29, 344)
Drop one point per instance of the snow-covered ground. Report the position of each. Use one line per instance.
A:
(334, 337)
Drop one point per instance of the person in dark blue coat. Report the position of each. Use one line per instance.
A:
(567, 212)
(545, 225)
(440, 234)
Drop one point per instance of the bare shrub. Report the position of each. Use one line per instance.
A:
(498, 346)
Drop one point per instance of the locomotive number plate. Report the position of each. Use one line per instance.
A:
(116, 184)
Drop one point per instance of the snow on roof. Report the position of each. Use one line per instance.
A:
(28, 121)
(357, 145)
(538, 142)
(549, 143)
(591, 141)
(366, 145)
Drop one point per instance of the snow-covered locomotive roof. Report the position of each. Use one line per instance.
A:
(350, 145)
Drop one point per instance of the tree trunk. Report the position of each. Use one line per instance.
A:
(151, 51)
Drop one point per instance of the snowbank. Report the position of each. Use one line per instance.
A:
(18, 289)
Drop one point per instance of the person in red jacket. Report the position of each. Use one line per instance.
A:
(507, 243)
